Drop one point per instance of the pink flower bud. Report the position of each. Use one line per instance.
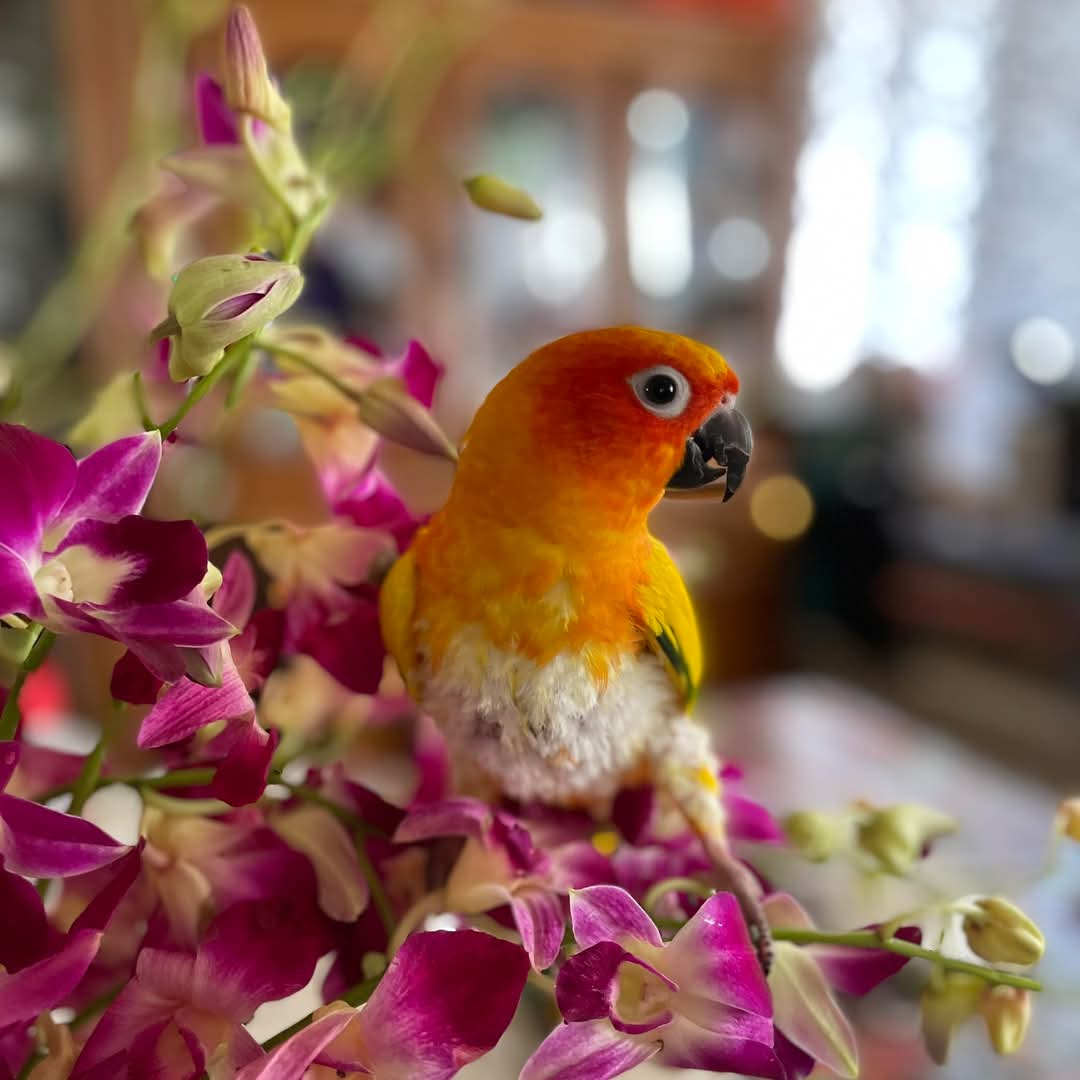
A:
(248, 86)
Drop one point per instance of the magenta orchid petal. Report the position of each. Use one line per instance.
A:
(590, 1051)
(445, 1000)
(541, 921)
(24, 929)
(112, 482)
(350, 647)
(215, 119)
(748, 820)
(142, 561)
(374, 504)
(38, 477)
(419, 372)
(254, 952)
(133, 682)
(588, 988)
(292, 1058)
(122, 875)
(40, 842)
(712, 953)
(183, 622)
(44, 985)
(608, 913)
(242, 773)
(858, 971)
(234, 600)
(797, 1063)
(689, 1046)
(461, 816)
(186, 707)
(17, 592)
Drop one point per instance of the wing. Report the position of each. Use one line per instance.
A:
(669, 622)
(397, 602)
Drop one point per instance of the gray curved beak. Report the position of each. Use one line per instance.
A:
(719, 448)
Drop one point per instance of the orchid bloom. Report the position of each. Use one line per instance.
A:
(38, 968)
(500, 864)
(182, 1009)
(40, 842)
(699, 1001)
(76, 557)
(444, 1001)
(810, 1026)
(244, 747)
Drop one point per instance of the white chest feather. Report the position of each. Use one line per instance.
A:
(548, 732)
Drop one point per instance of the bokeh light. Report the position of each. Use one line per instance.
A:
(782, 507)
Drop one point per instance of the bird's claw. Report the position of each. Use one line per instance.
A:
(733, 876)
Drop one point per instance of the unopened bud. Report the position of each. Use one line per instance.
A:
(218, 300)
(1067, 821)
(1007, 1013)
(948, 999)
(498, 197)
(898, 836)
(1001, 933)
(815, 835)
(248, 86)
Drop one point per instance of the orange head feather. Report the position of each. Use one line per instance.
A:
(567, 442)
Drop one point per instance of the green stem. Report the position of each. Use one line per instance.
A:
(305, 230)
(357, 824)
(138, 392)
(190, 777)
(869, 939)
(375, 885)
(9, 717)
(88, 777)
(269, 181)
(309, 365)
(234, 356)
(355, 996)
(675, 884)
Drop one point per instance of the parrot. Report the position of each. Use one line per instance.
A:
(536, 618)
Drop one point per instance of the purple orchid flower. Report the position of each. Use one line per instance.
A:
(700, 1001)
(244, 748)
(445, 1000)
(182, 1008)
(40, 842)
(501, 865)
(374, 504)
(810, 1026)
(76, 557)
(39, 967)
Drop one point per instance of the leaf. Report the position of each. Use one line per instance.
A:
(388, 408)
(807, 1013)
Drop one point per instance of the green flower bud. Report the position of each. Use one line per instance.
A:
(898, 836)
(1001, 933)
(218, 300)
(248, 86)
(948, 999)
(815, 835)
(1007, 1013)
(498, 197)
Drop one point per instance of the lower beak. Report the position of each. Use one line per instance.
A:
(719, 448)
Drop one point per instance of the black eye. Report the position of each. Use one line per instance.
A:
(660, 389)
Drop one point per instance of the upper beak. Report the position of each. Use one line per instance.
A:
(720, 447)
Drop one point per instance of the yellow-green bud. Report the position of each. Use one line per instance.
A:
(1067, 822)
(1007, 1013)
(815, 835)
(498, 197)
(218, 300)
(948, 999)
(898, 836)
(248, 86)
(1001, 933)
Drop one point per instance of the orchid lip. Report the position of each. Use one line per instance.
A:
(719, 450)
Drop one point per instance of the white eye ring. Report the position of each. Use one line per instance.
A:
(662, 390)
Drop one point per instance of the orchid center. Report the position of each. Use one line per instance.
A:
(79, 575)
(642, 996)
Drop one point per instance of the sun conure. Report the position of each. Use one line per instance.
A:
(537, 619)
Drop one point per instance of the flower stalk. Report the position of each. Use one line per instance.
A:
(9, 717)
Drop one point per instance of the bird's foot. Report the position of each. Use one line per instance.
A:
(730, 875)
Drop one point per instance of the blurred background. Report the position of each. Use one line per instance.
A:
(871, 207)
